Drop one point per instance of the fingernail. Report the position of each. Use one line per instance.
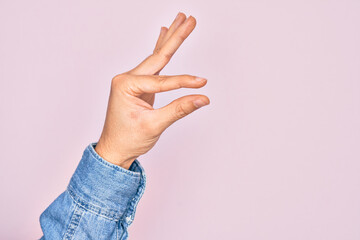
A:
(177, 16)
(199, 103)
(189, 18)
(199, 79)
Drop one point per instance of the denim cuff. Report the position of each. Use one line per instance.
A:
(107, 189)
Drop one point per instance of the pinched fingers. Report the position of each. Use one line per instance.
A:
(180, 19)
(162, 55)
(140, 84)
(176, 39)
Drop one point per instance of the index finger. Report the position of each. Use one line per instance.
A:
(162, 56)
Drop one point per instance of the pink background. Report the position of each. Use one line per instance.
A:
(274, 156)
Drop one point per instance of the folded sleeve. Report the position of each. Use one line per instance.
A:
(99, 203)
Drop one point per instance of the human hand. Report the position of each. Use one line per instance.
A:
(132, 126)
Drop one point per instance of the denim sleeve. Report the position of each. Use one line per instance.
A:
(99, 202)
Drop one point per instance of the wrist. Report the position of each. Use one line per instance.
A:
(112, 156)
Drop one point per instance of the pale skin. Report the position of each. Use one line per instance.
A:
(132, 126)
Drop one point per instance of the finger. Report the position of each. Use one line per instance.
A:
(180, 19)
(157, 61)
(139, 84)
(178, 109)
(163, 33)
(160, 41)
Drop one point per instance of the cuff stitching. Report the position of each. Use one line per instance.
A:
(91, 148)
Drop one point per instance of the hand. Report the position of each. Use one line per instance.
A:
(132, 126)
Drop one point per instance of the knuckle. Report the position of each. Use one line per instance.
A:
(166, 56)
(161, 82)
(180, 111)
(182, 37)
(118, 81)
(179, 83)
(161, 79)
(188, 77)
(184, 80)
(156, 51)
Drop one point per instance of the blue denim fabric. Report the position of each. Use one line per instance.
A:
(99, 202)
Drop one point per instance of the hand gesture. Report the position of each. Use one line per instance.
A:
(132, 126)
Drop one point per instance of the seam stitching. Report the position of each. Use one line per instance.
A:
(110, 215)
(74, 223)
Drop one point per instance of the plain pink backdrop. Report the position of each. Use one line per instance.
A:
(275, 156)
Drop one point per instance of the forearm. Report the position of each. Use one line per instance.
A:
(99, 203)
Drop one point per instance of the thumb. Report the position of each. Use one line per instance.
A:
(178, 109)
